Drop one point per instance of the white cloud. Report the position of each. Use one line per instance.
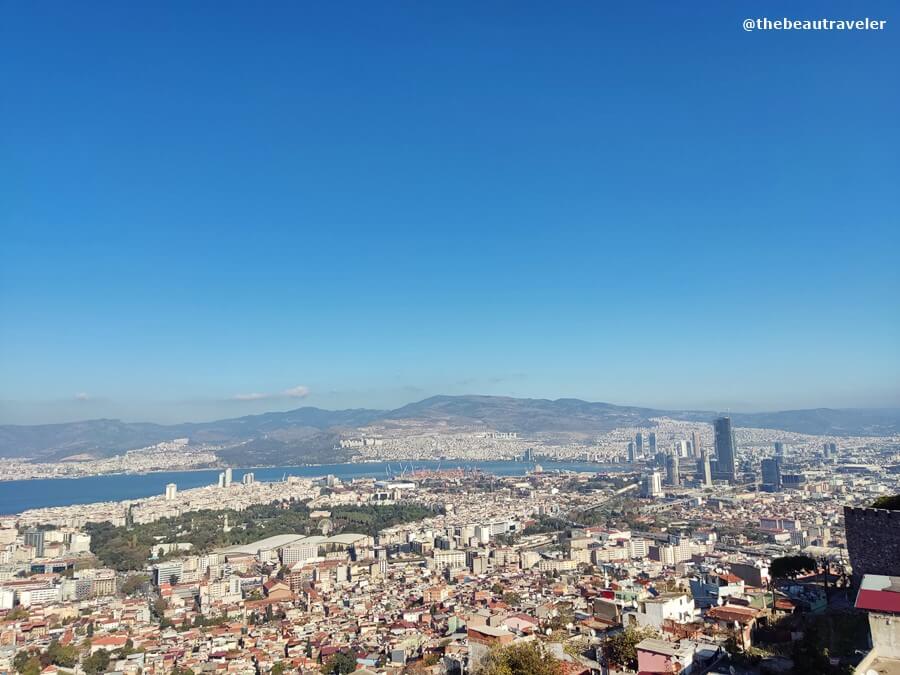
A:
(297, 392)
(82, 396)
(251, 397)
(294, 392)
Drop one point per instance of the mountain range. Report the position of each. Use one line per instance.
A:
(309, 434)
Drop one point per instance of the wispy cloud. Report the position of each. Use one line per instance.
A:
(251, 397)
(294, 392)
(82, 396)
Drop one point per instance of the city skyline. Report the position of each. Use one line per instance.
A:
(305, 206)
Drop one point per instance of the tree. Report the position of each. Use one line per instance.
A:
(341, 663)
(27, 663)
(96, 663)
(65, 656)
(891, 503)
(16, 613)
(526, 658)
(790, 566)
(621, 648)
(512, 598)
(133, 583)
(279, 668)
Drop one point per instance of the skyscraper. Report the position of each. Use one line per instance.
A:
(171, 491)
(695, 443)
(704, 470)
(631, 451)
(651, 439)
(779, 449)
(651, 485)
(725, 449)
(771, 474)
(639, 444)
(672, 470)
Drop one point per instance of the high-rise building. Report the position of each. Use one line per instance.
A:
(639, 444)
(248, 478)
(672, 470)
(651, 486)
(228, 476)
(695, 443)
(704, 470)
(680, 448)
(222, 479)
(171, 491)
(631, 456)
(725, 449)
(651, 439)
(35, 539)
(771, 474)
(779, 449)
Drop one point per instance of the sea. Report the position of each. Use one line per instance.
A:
(20, 495)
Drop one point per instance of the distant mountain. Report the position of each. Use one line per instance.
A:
(526, 415)
(295, 430)
(309, 434)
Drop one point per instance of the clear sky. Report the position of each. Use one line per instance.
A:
(215, 208)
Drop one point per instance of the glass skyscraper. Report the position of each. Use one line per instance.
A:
(725, 450)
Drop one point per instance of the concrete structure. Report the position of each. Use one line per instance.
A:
(880, 597)
(873, 541)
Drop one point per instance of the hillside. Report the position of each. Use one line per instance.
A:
(307, 434)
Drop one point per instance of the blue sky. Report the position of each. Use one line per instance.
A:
(206, 205)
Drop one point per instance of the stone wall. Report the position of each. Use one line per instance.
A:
(873, 541)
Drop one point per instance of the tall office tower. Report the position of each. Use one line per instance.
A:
(672, 470)
(680, 448)
(651, 486)
(704, 470)
(829, 450)
(652, 442)
(222, 479)
(171, 491)
(695, 443)
(35, 539)
(832, 448)
(771, 474)
(660, 459)
(779, 449)
(248, 478)
(639, 444)
(228, 476)
(725, 449)
(631, 451)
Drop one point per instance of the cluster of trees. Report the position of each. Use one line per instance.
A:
(32, 662)
(340, 663)
(545, 525)
(792, 566)
(370, 519)
(621, 648)
(891, 503)
(128, 548)
(526, 658)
